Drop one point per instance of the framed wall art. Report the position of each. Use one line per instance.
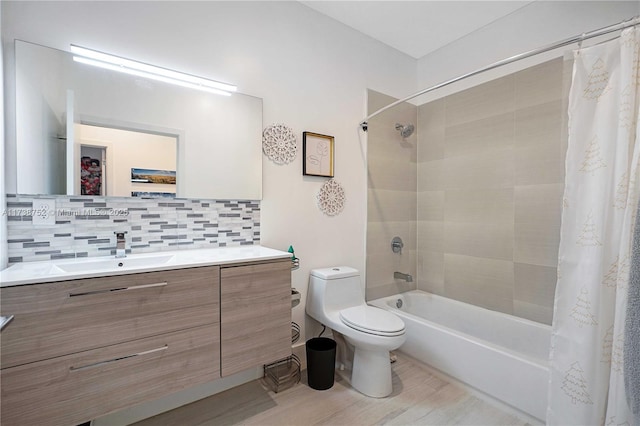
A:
(318, 152)
(153, 176)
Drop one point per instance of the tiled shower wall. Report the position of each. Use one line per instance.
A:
(391, 197)
(85, 226)
(490, 185)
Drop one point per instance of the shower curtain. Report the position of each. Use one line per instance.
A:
(586, 385)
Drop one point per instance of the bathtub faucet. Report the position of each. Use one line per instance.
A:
(400, 276)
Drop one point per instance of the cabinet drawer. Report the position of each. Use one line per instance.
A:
(76, 388)
(60, 318)
(255, 315)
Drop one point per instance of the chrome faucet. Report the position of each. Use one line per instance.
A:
(396, 245)
(400, 276)
(120, 244)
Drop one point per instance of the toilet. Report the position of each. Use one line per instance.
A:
(365, 334)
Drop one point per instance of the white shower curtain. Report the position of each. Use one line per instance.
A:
(586, 385)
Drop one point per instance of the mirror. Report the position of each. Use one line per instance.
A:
(86, 130)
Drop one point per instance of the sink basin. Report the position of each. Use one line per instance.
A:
(30, 268)
(114, 263)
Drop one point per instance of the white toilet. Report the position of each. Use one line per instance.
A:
(335, 299)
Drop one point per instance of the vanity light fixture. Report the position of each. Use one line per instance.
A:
(128, 66)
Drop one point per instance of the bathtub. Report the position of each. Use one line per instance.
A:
(498, 354)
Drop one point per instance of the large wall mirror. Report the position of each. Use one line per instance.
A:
(82, 130)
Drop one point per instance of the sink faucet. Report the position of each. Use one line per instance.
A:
(399, 275)
(120, 244)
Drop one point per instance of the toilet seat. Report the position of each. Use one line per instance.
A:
(372, 320)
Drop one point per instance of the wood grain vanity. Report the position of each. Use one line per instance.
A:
(82, 348)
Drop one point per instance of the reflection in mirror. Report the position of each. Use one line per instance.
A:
(111, 161)
(67, 110)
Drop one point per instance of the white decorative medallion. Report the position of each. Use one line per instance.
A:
(331, 198)
(279, 143)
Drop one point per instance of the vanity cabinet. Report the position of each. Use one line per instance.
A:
(83, 348)
(75, 388)
(79, 349)
(255, 318)
(56, 319)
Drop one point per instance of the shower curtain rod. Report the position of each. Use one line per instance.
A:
(576, 39)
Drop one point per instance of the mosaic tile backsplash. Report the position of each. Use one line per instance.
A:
(85, 226)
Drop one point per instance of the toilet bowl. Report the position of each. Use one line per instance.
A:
(335, 299)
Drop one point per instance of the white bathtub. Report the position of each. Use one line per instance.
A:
(499, 354)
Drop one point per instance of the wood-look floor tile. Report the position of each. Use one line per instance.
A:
(419, 398)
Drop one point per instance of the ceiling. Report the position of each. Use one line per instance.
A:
(416, 27)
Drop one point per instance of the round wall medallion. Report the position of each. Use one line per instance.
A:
(331, 198)
(279, 143)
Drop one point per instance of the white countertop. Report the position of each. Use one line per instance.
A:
(90, 267)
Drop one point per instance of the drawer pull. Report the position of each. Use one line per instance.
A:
(111, 290)
(120, 358)
(4, 321)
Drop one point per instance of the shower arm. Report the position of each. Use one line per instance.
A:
(575, 39)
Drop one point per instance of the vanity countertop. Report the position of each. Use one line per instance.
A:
(91, 267)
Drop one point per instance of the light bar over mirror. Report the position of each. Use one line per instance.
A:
(128, 66)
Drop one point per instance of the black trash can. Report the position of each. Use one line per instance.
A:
(321, 362)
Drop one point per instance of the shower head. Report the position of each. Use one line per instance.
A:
(405, 130)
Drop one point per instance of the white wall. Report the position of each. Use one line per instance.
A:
(311, 71)
(540, 23)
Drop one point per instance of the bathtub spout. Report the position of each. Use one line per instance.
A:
(400, 276)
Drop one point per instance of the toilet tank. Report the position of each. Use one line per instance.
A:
(333, 289)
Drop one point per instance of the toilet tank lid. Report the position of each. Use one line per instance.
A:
(335, 272)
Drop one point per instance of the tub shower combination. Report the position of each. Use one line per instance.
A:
(506, 356)
(496, 353)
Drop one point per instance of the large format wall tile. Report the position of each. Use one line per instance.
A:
(389, 205)
(380, 269)
(538, 154)
(383, 140)
(380, 234)
(394, 173)
(489, 99)
(535, 284)
(492, 168)
(431, 205)
(430, 271)
(488, 240)
(539, 84)
(476, 137)
(533, 312)
(385, 290)
(490, 183)
(431, 175)
(386, 142)
(483, 282)
(479, 205)
(430, 236)
(537, 224)
(431, 122)
(391, 199)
